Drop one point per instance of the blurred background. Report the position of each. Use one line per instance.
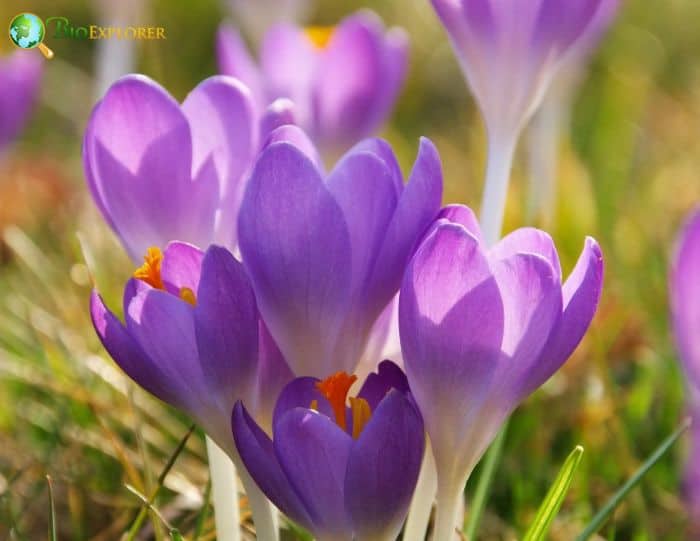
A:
(628, 175)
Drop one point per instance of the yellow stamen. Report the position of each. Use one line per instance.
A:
(335, 389)
(314, 405)
(187, 295)
(149, 272)
(320, 36)
(361, 412)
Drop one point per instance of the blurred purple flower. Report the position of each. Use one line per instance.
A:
(326, 253)
(342, 473)
(685, 307)
(20, 76)
(509, 51)
(343, 80)
(483, 328)
(193, 336)
(160, 171)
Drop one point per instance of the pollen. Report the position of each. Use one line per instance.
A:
(187, 295)
(320, 36)
(149, 272)
(361, 413)
(335, 389)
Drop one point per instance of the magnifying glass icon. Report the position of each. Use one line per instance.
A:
(27, 31)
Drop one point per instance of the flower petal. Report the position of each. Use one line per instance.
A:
(235, 60)
(300, 393)
(258, 455)
(295, 136)
(685, 298)
(226, 329)
(377, 384)
(296, 248)
(181, 267)
(581, 294)
(313, 452)
(383, 468)
(130, 357)
(451, 319)
(224, 125)
(527, 240)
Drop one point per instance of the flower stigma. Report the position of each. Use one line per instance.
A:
(335, 389)
(320, 36)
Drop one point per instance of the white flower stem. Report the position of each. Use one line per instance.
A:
(544, 135)
(449, 503)
(265, 516)
(224, 484)
(422, 502)
(500, 162)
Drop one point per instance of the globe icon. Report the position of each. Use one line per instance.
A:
(27, 30)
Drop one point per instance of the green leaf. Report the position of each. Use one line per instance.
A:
(148, 502)
(555, 497)
(602, 515)
(53, 536)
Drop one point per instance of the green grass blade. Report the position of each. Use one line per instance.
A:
(491, 460)
(201, 519)
(555, 497)
(602, 515)
(53, 536)
(161, 479)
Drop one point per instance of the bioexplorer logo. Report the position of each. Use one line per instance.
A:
(27, 31)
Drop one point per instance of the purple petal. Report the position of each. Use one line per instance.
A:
(462, 215)
(226, 329)
(300, 393)
(280, 112)
(387, 377)
(130, 357)
(235, 60)
(296, 248)
(295, 136)
(273, 375)
(416, 210)
(685, 297)
(383, 469)
(313, 452)
(532, 302)
(382, 149)
(224, 125)
(451, 319)
(258, 455)
(352, 78)
(524, 241)
(138, 154)
(20, 74)
(181, 267)
(581, 294)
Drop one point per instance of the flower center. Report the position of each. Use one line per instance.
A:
(150, 272)
(320, 36)
(335, 389)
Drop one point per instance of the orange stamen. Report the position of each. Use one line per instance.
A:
(320, 36)
(335, 389)
(149, 272)
(361, 412)
(187, 295)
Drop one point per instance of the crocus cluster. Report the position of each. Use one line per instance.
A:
(259, 347)
(343, 80)
(685, 307)
(20, 75)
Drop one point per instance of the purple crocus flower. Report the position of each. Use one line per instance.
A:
(685, 307)
(483, 328)
(343, 80)
(161, 171)
(20, 75)
(341, 472)
(191, 335)
(326, 253)
(509, 50)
